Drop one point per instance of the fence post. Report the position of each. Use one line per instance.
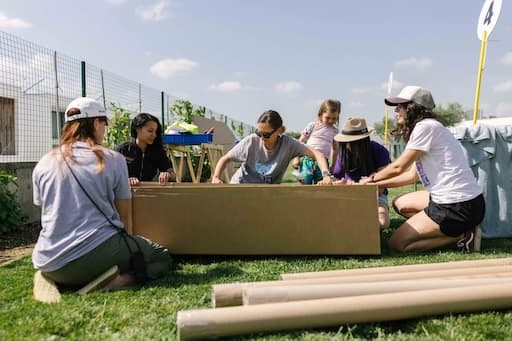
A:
(162, 96)
(84, 92)
(57, 110)
(140, 98)
(103, 89)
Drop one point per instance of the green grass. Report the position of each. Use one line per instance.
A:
(150, 312)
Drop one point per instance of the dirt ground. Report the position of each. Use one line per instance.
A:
(17, 244)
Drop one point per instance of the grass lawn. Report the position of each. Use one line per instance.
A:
(150, 312)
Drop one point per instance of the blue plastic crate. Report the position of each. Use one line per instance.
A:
(187, 139)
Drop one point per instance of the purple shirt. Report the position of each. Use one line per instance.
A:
(380, 158)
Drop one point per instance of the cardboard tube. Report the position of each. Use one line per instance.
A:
(400, 268)
(318, 291)
(200, 324)
(225, 295)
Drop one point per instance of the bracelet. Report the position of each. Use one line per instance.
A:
(326, 173)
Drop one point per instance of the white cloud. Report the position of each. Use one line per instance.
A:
(420, 64)
(16, 23)
(228, 86)
(116, 2)
(504, 109)
(507, 59)
(154, 12)
(360, 90)
(503, 87)
(288, 87)
(249, 87)
(167, 68)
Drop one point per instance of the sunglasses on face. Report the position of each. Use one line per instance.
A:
(265, 134)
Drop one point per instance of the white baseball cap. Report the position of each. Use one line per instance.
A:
(88, 108)
(412, 93)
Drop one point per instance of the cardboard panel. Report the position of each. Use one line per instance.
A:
(258, 219)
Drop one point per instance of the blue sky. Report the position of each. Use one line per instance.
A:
(241, 57)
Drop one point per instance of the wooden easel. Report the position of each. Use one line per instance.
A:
(211, 151)
(184, 153)
(214, 152)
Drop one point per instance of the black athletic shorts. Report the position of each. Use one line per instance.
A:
(455, 219)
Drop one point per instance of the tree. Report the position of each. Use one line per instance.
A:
(183, 110)
(200, 111)
(293, 134)
(380, 126)
(240, 130)
(450, 115)
(119, 127)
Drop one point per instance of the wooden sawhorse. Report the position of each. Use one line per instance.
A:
(211, 151)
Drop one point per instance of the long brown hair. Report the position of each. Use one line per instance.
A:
(358, 158)
(415, 113)
(81, 130)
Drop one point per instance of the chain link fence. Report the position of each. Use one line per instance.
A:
(37, 83)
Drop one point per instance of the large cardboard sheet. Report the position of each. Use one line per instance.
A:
(258, 219)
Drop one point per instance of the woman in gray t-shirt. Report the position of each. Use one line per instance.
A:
(265, 155)
(85, 201)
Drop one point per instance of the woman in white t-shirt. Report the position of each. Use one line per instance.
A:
(452, 205)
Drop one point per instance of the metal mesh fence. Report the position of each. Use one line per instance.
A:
(37, 83)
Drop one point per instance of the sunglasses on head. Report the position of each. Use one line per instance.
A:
(265, 134)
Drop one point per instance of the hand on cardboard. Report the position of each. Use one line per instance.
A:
(216, 180)
(365, 180)
(341, 181)
(133, 181)
(165, 177)
(327, 180)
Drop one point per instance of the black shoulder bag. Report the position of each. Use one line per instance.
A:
(137, 261)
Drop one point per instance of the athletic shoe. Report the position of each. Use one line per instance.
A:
(470, 242)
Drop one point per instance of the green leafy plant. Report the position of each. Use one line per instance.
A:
(12, 216)
(200, 111)
(183, 110)
(119, 126)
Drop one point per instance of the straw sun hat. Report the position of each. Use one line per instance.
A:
(353, 129)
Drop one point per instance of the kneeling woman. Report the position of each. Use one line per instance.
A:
(359, 157)
(85, 201)
(455, 205)
(266, 154)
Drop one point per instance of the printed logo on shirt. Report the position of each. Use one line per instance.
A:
(421, 173)
(265, 168)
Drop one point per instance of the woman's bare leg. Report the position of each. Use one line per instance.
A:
(419, 233)
(383, 217)
(409, 204)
